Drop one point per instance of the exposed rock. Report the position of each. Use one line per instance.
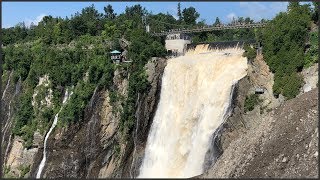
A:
(260, 76)
(269, 138)
(42, 86)
(310, 76)
(19, 157)
(37, 139)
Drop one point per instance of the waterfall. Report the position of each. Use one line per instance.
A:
(8, 122)
(195, 99)
(7, 85)
(55, 121)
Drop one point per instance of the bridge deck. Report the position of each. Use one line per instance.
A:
(211, 28)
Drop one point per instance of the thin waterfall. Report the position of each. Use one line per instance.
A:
(55, 121)
(7, 85)
(8, 122)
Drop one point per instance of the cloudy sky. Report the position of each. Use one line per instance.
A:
(15, 12)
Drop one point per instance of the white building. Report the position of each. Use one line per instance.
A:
(176, 44)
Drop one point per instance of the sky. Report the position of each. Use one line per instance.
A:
(15, 12)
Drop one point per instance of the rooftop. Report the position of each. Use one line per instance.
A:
(115, 52)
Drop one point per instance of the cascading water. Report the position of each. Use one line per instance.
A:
(8, 122)
(8, 83)
(195, 98)
(55, 121)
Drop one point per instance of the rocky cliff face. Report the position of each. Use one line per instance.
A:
(94, 147)
(277, 139)
(282, 143)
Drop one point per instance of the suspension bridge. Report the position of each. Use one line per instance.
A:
(177, 38)
(209, 28)
(192, 29)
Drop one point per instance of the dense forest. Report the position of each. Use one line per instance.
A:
(67, 49)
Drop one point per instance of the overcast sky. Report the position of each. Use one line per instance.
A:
(15, 12)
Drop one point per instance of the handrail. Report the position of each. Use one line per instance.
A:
(204, 29)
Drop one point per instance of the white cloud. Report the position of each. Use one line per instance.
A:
(34, 21)
(258, 10)
(231, 16)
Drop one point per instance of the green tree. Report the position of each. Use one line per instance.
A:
(283, 43)
(109, 12)
(250, 52)
(179, 12)
(250, 102)
(190, 15)
(315, 13)
(136, 10)
(217, 22)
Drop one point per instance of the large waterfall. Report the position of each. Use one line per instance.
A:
(195, 97)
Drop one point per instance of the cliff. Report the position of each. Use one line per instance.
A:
(277, 139)
(282, 143)
(94, 147)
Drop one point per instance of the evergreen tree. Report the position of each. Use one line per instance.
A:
(315, 14)
(190, 15)
(179, 12)
(217, 22)
(109, 12)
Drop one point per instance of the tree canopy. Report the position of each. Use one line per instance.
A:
(190, 15)
(283, 47)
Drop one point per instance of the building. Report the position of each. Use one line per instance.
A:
(116, 56)
(259, 90)
(176, 44)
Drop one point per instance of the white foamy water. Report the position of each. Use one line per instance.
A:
(195, 96)
(55, 121)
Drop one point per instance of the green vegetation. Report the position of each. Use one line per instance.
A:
(116, 150)
(6, 169)
(65, 67)
(68, 50)
(7, 173)
(74, 52)
(251, 101)
(24, 169)
(73, 110)
(141, 50)
(250, 53)
(24, 125)
(311, 56)
(284, 42)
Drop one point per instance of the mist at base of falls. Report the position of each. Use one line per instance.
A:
(195, 97)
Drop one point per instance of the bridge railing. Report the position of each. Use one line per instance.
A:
(210, 28)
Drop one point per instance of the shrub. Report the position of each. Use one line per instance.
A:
(249, 52)
(24, 169)
(24, 113)
(250, 102)
(292, 85)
